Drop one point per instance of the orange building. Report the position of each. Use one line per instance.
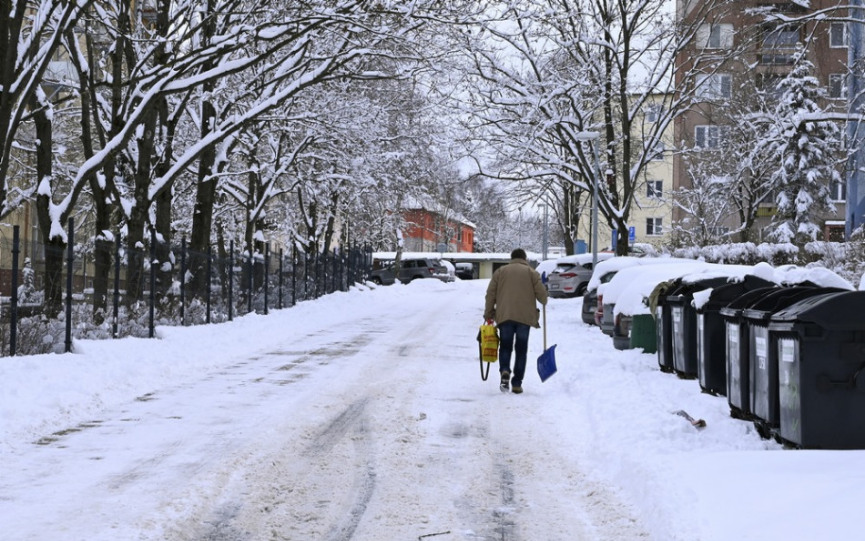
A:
(427, 229)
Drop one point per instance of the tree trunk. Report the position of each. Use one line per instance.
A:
(103, 212)
(165, 272)
(205, 193)
(54, 246)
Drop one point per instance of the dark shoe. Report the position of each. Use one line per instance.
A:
(517, 389)
(506, 381)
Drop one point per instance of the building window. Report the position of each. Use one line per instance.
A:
(770, 84)
(838, 191)
(836, 233)
(715, 36)
(710, 137)
(654, 189)
(779, 44)
(838, 35)
(654, 227)
(653, 112)
(656, 153)
(837, 85)
(716, 86)
(780, 37)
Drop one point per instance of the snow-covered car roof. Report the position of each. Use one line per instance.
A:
(631, 299)
(616, 264)
(632, 284)
(546, 266)
(582, 259)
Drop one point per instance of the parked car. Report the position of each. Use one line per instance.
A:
(593, 307)
(411, 269)
(451, 270)
(465, 271)
(572, 274)
(590, 300)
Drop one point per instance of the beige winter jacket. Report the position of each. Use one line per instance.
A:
(512, 293)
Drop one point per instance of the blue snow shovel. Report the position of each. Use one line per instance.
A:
(547, 360)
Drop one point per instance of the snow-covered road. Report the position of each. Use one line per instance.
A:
(366, 426)
(362, 416)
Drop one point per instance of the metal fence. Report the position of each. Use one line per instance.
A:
(141, 287)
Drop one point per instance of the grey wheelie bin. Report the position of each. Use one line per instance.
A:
(764, 353)
(711, 338)
(821, 352)
(737, 352)
(683, 319)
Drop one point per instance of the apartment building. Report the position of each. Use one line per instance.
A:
(743, 48)
(651, 210)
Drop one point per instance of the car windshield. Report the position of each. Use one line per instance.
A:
(607, 277)
(563, 268)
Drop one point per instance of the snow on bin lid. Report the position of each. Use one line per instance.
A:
(832, 311)
(819, 276)
(749, 282)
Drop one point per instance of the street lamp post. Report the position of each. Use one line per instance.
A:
(546, 237)
(593, 137)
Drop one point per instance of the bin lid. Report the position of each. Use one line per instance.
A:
(685, 290)
(724, 294)
(763, 308)
(835, 310)
(734, 308)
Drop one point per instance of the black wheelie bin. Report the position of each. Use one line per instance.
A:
(711, 337)
(764, 353)
(821, 351)
(661, 310)
(683, 319)
(737, 352)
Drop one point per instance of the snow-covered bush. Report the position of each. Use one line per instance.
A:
(742, 253)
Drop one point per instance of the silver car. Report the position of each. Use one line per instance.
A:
(572, 275)
(411, 269)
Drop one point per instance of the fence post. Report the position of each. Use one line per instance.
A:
(69, 260)
(352, 265)
(209, 278)
(281, 269)
(305, 276)
(266, 269)
(13, 306)
(249, 281)
(116, 287)
(231, 281)
(343, 269)
(293, 273)
(317, 277)
(152, 281)
(333, 271)
(183, 281)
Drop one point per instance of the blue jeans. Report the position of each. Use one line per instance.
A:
(508, 332)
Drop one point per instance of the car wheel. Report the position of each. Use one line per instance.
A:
(581, 289)
(376, 280)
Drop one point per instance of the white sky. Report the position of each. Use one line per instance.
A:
(363, 416)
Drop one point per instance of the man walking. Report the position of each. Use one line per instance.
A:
(510, 302)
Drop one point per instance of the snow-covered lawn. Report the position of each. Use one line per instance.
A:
(363, 416)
